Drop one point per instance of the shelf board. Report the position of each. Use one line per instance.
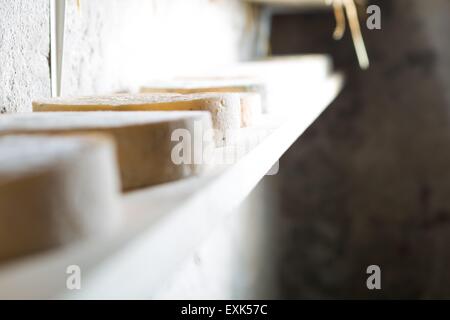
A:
(165, 224)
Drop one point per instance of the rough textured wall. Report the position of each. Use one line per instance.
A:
(24, 53)
(115, 45)
(369, 182)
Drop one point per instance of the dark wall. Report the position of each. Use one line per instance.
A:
(369, 182)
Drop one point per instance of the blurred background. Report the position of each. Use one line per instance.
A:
(367, 184)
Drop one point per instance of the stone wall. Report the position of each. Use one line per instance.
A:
(116, 45)
(24, 53)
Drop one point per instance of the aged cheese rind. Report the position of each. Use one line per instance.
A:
(245, 87)
(224, 108)
(143, 139)
(209, 85)
(55, 190)
(205, 85)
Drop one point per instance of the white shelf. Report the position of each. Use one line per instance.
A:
(165, 224)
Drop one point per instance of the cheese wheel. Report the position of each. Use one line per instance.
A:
(205, 85)
(252, 93)
(224, 108)
(147, 142)
(55, 190)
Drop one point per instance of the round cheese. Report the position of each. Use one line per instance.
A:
(225, 108)
(55, 190)
(251, 92)
(152, 147)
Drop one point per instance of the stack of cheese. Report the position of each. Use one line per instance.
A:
(59, 179)
(226, 109)
(54, 190)
(152, 147)
(64, 163)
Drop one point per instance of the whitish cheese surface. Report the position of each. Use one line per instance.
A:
(205, 84)
(145, 141)
(55, 190)
(225, 108)
(252, 92)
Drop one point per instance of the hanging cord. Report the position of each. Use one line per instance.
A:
(348, 7)
(339, 15)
